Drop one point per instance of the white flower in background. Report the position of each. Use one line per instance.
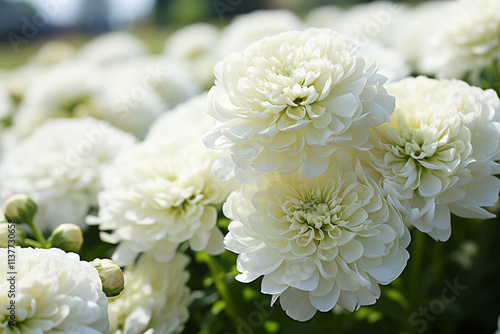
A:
(187, 119)
(155, 298)
(159, 194)
(170, 78)
(498, 326)
(5, 103)
(251, 27)
(130, 100)
(319, 242)
(194, 44)
(294, 99)
(370, 21)
(55, 293)
(111, 48)
(63, 90)
(53, 52)
(60, 166)
(467, 38)
(411, 27)
(391, 63)
(438, 153)
(325, 17)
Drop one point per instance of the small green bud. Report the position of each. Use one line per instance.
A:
(111, 276)
(20, 208)
(68, 237)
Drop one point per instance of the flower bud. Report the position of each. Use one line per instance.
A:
(111, 276)
(9, 235)
(20, 208)
(68, 237)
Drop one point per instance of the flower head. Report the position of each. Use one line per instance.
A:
(55, 293)
(438, 152)
(160, 194)
(319, 241)
(156, 297)
(294, 99)
(467, 39)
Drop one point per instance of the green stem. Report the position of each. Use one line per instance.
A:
(38, 234)
(31, 243)
(232, 308)
(418, 245)
(415, 272)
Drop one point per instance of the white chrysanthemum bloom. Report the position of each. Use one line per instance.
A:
(186, 119)
(467, 39)
(438, 153)
(56, 293)
(155, 298)
(319, 242)
(111, 48)
(64, 90)
(248, 28)
(60, 166)
(410, 28)
(159, 194)
(294, 99)
(194, 44)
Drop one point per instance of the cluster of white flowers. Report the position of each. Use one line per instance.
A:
(311, 139)
(162, 192)
(310, 220)
(155, 298)
(59, 165)
(438, 154)
(55, 293)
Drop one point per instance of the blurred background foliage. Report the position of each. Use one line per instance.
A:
(77, 21)
(417, 302)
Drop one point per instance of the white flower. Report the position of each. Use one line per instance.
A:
(53, 52)
(294, 99)
(498, 326)
(251, 27)
(155, 297)
(111, 48)
(56, 293)
(413, 25)
(318, 242)
(158, 195)
(187, 119)
(438, 153)
(60, 166)
(63, 90)
(467, 38)
(194, 44)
